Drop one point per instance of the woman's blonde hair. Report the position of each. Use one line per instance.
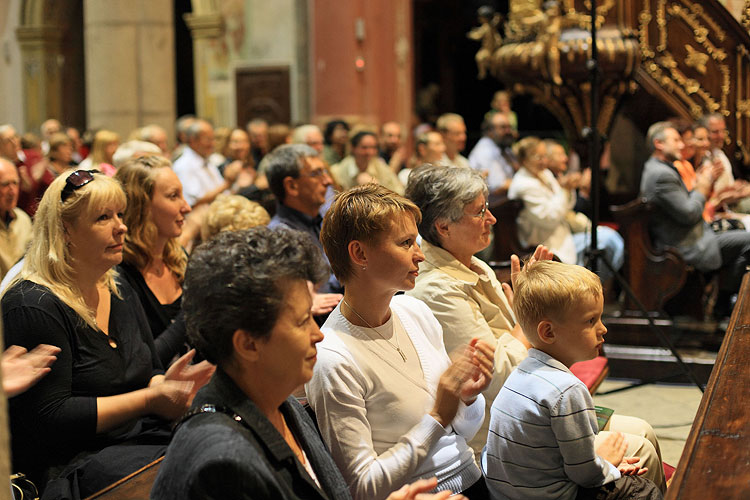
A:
(362, 213)
(101, 140)
(47, 261)
(232, 213)
(524, 148)
(137, 176)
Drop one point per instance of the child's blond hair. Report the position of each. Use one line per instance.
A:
(547, 290)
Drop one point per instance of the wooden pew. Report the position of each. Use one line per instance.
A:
(714, 462)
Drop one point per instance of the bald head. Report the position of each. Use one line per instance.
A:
(8, 187)
(10, 143)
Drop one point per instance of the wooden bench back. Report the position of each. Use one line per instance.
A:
(654, 275)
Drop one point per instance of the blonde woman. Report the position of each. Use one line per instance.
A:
(84, 425)
(102, 152)
(153, 260)
(232, 213)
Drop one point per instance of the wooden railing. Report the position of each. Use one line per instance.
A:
(714, 462)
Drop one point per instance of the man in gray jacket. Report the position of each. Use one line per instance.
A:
(678, 218)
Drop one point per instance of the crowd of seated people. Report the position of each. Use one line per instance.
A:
(139, 264)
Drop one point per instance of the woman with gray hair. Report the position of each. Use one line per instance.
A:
(460, 289)
(468, 300)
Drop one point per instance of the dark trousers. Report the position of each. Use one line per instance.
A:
(735, 257)
(626, 487)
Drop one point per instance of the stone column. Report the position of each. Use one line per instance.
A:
(41, 73)
(129, 47)
(206, 30)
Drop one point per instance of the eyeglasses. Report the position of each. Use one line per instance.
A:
(320, 172)
(75, 181)
(483, 211)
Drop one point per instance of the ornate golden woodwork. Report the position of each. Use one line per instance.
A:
(691, 54)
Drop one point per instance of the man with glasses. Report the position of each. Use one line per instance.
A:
(298, 179)
(15, 225)
(492, 155)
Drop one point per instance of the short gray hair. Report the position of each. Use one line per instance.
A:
(657, 132)
(442, 193)
(195, 128)
(285, 161)
(299, 136)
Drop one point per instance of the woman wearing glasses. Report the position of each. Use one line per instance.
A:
(101, 412)
(390, 405)
(460, 289)
(153, 260)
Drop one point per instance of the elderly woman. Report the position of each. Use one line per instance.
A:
(460, 289)
(153, 260)
(390, 404)
(83, 425)
(232, 213)
(466, 297)
(248, 307)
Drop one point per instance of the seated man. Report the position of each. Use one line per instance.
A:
(364, 165)
(543, 439)
(678, 221)
(15, 225)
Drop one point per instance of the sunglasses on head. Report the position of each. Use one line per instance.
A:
(76, 180)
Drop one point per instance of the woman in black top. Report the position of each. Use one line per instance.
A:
(83, 425)
(153, 261)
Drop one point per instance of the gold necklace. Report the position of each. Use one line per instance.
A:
(398, 344)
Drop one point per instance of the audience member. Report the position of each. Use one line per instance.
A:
(200, 180)
(248, 307)
(237, 152)
(154, 134)
(82, 427)
(390, 404)
(678, 218)
(453, 130)
(15, 225)
(47, 129)
(278, 135)
(430, 149)
(392, 151)
(578, 187)
(717, 135)
(459, 288)
(75, 138)
(501, 103)
(182, 125)
(134, 149)
(310, 135)
(102, 153)
(492, 154)
(298, 178)
(232, 213)
(364, 165)
(153, 261)
(42, 173)
(543, 422)
(10, 145)
(335, 136)
(257, 129)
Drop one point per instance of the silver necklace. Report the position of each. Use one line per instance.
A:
(398, 344)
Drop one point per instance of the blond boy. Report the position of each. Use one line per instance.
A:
(542, 422)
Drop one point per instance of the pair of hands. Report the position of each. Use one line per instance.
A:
(469, 374)
(173, 393)
(418, 491)
(22, 369)
(322, 303)
(613, 451)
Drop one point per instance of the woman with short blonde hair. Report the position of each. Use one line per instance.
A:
(390, 404)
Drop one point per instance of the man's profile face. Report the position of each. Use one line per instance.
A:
(455, 136)
(717, 132)
(10, 144)
(203, 143)
(501, 132)
(671, 147)
(8, 186)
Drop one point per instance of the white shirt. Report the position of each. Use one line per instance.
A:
(197, 176)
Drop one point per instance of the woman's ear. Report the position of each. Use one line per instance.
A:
(358, 254)
(546, 332)
(442, 227)
(246, 346)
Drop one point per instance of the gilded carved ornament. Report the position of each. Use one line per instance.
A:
(696, 59)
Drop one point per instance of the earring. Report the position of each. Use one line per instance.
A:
(364, 268)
